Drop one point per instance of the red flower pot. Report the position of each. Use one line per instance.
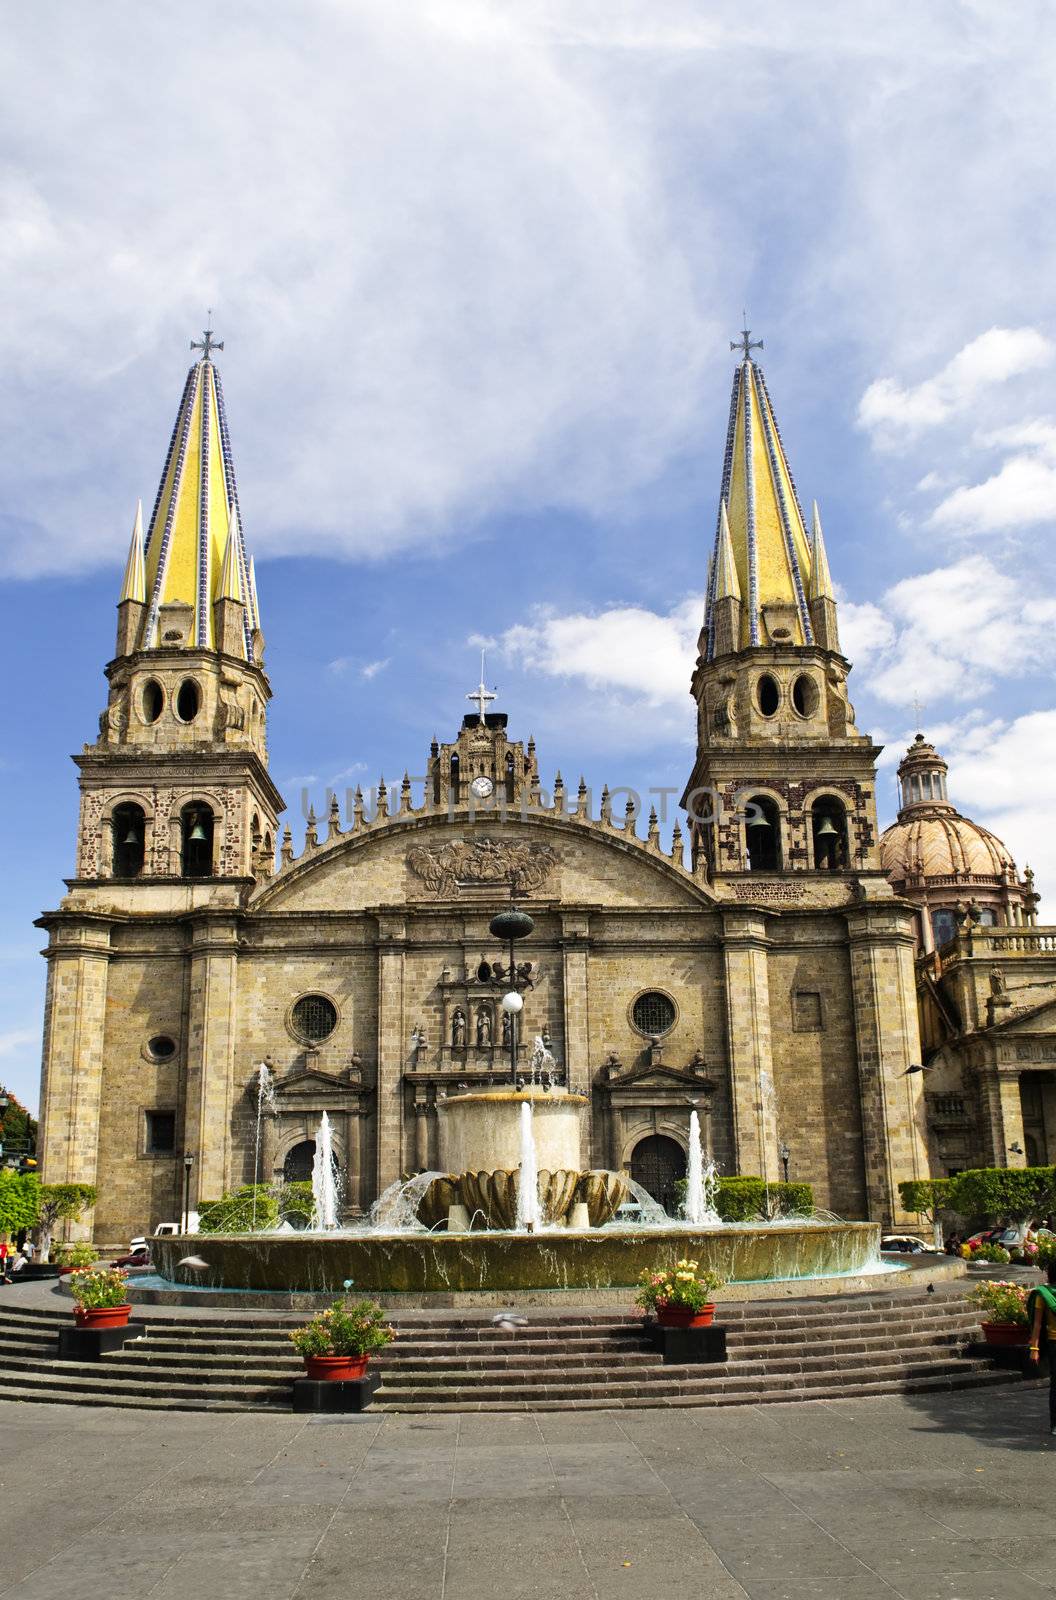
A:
(1006, 1333)
(681, 1317)
(337, 1369)
(102, 1316)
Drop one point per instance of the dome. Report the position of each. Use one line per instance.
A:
(931, 840)
(942, 846)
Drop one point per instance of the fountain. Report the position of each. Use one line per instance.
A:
(265, 1103)
(513, 1208)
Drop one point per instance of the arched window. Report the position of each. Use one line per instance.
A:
(943, 926)
(762, 832)
(456, 794)
(987, 917)
(510, 778)
(829, 833)
(196, 841)
(129, 827)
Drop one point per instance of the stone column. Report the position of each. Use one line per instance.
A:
(1003, 1103)
(575, 947)
(392, 1034)
(883, 993)
(747, 994)
(211, 1043)
(72, 1077)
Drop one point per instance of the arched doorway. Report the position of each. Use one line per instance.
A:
(297, 1168)
(657, 1163)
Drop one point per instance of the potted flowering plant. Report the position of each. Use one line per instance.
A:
(338, 1343)
(1004, 1312)
(71, 1257)
(101, 1297)
(679, 1296)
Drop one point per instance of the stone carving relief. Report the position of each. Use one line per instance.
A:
(445, 868)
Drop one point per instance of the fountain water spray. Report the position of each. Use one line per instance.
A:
(529, 1212)
(543, 1066)
(701, 1181)
(324, 1179)
(265, 1103)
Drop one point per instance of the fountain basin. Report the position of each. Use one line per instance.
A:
(453, 1265)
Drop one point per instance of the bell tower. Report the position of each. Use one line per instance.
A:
(783, 781)
(176, 785)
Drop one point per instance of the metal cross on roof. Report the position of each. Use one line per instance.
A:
(481, 694)
(918, 712)
(746, 344)
(207, 344)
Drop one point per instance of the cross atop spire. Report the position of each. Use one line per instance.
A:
(746, 344)
(481, 694)
(207, 344)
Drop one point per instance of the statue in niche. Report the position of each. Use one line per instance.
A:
(484, 1028)
(458, 1029)
(997, 983)
(507, 1024)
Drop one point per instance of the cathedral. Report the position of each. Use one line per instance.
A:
(781, 967)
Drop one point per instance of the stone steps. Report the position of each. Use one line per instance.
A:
(812, 1349)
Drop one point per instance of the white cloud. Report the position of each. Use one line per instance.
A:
(627, 649)
(956, 628)
(1005, 777)
(890, 410)
(1021, 494)
(371, 668)
(15, 1040)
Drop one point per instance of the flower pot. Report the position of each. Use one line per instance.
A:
(338, 1369)
(682, 1317)
(102, 1316)
(1006, 1333)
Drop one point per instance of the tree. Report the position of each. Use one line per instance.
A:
(18, 1127)
(1004, 1194)
(61, 1201)
(19, 1201)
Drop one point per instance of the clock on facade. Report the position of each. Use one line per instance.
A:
(481, 787)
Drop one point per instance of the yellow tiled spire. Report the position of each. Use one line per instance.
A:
(134, 584)
(230, 585)
(760, 516)
(192, 514)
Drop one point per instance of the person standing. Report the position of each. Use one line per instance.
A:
(1041, 1312)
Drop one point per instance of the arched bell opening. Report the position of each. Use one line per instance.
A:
(129, 825)
(829, 834)
(762, 834)
(196, 841)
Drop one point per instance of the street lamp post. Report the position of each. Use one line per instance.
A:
(509, 926)
(188, 1163)
(786, 1156)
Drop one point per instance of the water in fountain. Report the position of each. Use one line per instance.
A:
(396, 1209)
(651, 1213)
(529, 1212)
(701, 1181)
(265, 1103)
(324, 1180)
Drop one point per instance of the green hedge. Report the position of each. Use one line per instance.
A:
(741, 1199)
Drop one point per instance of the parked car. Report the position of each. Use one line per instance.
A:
(138, 1256)
(906, 1244)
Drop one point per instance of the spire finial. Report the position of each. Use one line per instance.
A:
(746, 344)
(482, 695)
(207, 344)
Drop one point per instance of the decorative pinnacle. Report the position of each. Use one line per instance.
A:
(746, 344)
(207, 344)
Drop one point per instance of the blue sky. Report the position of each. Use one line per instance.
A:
(477, 267)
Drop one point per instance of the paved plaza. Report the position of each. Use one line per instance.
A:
(945, 1497)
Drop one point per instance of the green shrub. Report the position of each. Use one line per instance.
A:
(991, 1252)
(295, 1200)
(75, 1255)
(997, 1194)
(234, 1213)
